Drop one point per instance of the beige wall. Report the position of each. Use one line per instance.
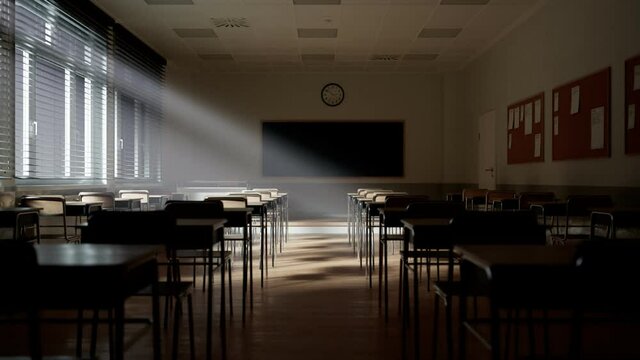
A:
(214, 120)
(564, 40)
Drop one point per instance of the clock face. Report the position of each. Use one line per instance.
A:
(332, 94)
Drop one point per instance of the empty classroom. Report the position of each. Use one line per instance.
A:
(347, 179)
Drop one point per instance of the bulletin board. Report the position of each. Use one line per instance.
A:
(525, 130)
(581, 118)
(632, 106)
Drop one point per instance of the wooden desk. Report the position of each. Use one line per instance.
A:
(92, 276)
(525, 276)
(422, 233)
(217, 225)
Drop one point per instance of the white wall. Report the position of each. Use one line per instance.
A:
(563, 41)
(214, 120)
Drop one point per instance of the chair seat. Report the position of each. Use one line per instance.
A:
(445, 289)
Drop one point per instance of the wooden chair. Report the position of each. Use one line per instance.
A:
(152, 228)
(53, 216)
(480, 228)
(494, 200)
(473, 198)
(7, 199)
(577, 224)
(106, 198)
(143, 195)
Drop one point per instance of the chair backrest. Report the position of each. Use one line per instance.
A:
(106, 198)
(7, 199)
(381, 197)
(264, 195)
(402, 201)
(582, 205)
(435, 209)
(143, 195)
(472, 197)
(49, 205)
(528, 197)
(129, 227)
(252, 198)
(194, 237)
(230, 202)
(373, 194)
(497, 195)
(363, 191)
(497, 227)
(273, 191)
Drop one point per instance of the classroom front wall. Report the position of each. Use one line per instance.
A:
(561, 42)
(213, 123)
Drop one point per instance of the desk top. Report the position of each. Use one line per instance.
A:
(415, 223)
(94, 255)
(489, 257)
(17, 210)
(216, 223)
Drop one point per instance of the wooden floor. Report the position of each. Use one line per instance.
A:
(316, 304)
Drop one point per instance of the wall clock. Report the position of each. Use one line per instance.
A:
(332, 94)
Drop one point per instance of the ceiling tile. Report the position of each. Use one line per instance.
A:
(317, 16)
(311, 33)
(447, 16)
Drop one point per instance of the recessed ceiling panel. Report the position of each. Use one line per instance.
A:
(316, 2)
(169, 2)
(439, 33)
(464, 2)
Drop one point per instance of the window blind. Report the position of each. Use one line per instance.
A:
(139, 84)
(6, 89)
(61, 85)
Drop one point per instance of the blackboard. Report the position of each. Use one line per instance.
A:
(333, 148)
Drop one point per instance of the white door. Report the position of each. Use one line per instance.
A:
(487, 151)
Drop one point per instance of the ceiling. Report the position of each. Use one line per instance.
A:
(336, 36)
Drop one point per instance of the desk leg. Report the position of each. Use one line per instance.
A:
(245, 258)
(250, 264)
(119, 320)
(462, 344)
(155, 313)
(416, 306)
(405, 296)
(209, 341)
(223, 316)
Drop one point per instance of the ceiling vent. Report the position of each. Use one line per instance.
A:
(318, 33)
(439, 33)
(420, 57)
(231, 22)
(384, 57)
(317, 2)
(195, 33)
(169, 2)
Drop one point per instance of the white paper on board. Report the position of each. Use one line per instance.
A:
(631, 117)
(516, 119)
(575, 99)
(556, 101)
(597, 128)
(510, 122)
(528, 119)
(636, 77)
(537, 111)
(536, 151)
(555, 125)
(509, 141)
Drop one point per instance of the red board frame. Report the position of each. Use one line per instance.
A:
(573, 140)
(632, 97)
(522, 149)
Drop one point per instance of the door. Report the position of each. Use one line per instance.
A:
(487, 151)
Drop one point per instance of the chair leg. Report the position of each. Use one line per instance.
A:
(94, 333)
(231, 291)
(79, 333)
(176, 328)
(400, 287)
(436, 312)
(449, 311)
(35, 347)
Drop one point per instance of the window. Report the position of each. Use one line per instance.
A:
(60, 81)
(6, 90)
(139, 82)
(88, 96)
